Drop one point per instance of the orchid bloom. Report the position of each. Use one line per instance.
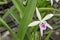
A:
(42, 22)
(52, 2)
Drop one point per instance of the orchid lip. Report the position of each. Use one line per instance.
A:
(43, 25)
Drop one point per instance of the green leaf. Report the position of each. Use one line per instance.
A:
(8, 28)
(28, 34)
(48, 9)
(8, 12)
(33, 35)
(48, 36)
(19, 5)
(27, 18)
(15, 14)
(43, 3)
(56, 15)
(12, 11)
(34, 29)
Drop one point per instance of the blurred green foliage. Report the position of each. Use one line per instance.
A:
(43, 3)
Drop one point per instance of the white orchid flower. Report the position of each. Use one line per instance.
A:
(52, 2)
(42, 22)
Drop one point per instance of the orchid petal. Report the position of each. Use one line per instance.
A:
(47, 17)
(38, 14)
(34, 23)
(49, 26)
(41, 32)
(51, 2)
(57, 0)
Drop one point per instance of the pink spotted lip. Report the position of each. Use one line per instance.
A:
(43, 25)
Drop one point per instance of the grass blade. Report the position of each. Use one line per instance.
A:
(48, 36)
(12, 11)
(48, 9)
(9, 29)
(27, 18)
(19, 5)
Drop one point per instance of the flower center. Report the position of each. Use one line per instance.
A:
(43, 25)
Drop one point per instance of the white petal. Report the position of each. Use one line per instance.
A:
(51, 2)
(57, 0)
(38, 14)
(47, 17)
(41, 32)
(49, 26)
(34, 23)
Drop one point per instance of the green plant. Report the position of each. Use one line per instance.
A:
(24, 17)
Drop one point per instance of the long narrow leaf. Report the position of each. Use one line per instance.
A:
(9, 29)
(49, 9)
(19, 5)
(12, 11)
(27, 17)
(48, 36)
(7, 13)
